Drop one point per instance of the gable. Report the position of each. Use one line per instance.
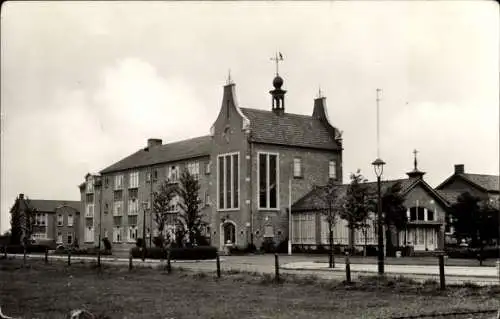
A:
(423, 196)
(457, 183)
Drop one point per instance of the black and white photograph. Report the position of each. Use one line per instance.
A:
(250, 159)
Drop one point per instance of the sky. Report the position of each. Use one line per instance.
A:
(84, 84)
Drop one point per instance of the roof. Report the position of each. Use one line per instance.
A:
(488, 182)
(44, 205)
(289, 129)
(313, 200)
(190, 148)
(452, 195)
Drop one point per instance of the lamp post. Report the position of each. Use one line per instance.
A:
(98, 186)
(378, 166)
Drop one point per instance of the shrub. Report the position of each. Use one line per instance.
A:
(157, 241)
(139, 242)
(107, 244)
(191, 253)
(268, 246)
(19, 249)
(282, 247)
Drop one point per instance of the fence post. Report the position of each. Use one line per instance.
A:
(277, 268)
(441, 272)
(217, 258)
(130, 260)
(347, 268)
(5, 252)
(46, 255)
(69, 257)
(169, 265)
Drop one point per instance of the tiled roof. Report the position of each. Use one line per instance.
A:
(289, 129)
(313, 200)
(488, 182)
(450, 195)
(44, 205)
(194, 147)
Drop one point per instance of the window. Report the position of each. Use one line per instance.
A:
(194, 169)
(118, 181)
(268, 180)
(132, 233)
(89, 211)
(90, 185)
(89, 234)
(70, 220)
(228, 181)
(207, 167)
(117, 208)
(268, 231)
(105, 233)
(133, 181)
(41, 219)
(430, 215)
(132, 220)
(420, 213)
(117, 196)
(106, 181)
(413, 214)
(297, 167)
(59, 238)
(70, 238)
(117, 234)
(59, 220)
(207, 198)
(133, 202)
(89, 198)
(332, 169)
(39, 235)
(173, 174)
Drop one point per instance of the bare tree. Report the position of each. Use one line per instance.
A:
(331, 205)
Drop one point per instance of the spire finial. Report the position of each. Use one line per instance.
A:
(320, 93)
(415, 158)
(277, 58)
(229, 81)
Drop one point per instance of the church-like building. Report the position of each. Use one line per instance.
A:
(252, 167)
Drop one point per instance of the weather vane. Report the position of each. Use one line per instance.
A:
(415, 158)
(279, 57)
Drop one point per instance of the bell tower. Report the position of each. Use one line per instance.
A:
(278, 94)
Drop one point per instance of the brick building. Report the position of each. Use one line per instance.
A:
(426, 212)
(486, 187)
(54, 219)
(251, 167)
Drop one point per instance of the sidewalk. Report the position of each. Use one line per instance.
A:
(489, 272)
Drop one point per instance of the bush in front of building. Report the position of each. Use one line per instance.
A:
(187, 253)
(19, 249)
(472, 253)
(93, 251)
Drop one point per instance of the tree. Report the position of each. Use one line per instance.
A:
(357, 204)
(162, 201)
(394, 213)
(330, 209)
(190, 220)
(15, 223)
(474, 220)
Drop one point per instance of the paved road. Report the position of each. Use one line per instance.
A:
(289, 265)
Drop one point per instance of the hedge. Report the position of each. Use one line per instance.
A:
(84, 251)
(471, 253)
(189, 253)
(19, 249)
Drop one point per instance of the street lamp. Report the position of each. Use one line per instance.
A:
(98, 186)
(378, 166)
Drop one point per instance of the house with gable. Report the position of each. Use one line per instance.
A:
(251, 167)
(426, 211)
(486, 187)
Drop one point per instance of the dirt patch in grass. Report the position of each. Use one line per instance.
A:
(51, 291)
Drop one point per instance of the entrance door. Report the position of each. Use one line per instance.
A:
(229, 234)
(424, 238)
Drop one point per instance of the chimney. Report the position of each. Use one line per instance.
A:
(459, 169)
(319, 111)
(21, 196)
(152, 142)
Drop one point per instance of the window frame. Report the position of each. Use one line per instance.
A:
(118, 186)
(268, 201)
(232, 179)
(60, 220)
(301, 170)
(133, 179)
(70, 219)
(334, 161)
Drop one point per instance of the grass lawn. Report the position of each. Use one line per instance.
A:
(51, 291)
